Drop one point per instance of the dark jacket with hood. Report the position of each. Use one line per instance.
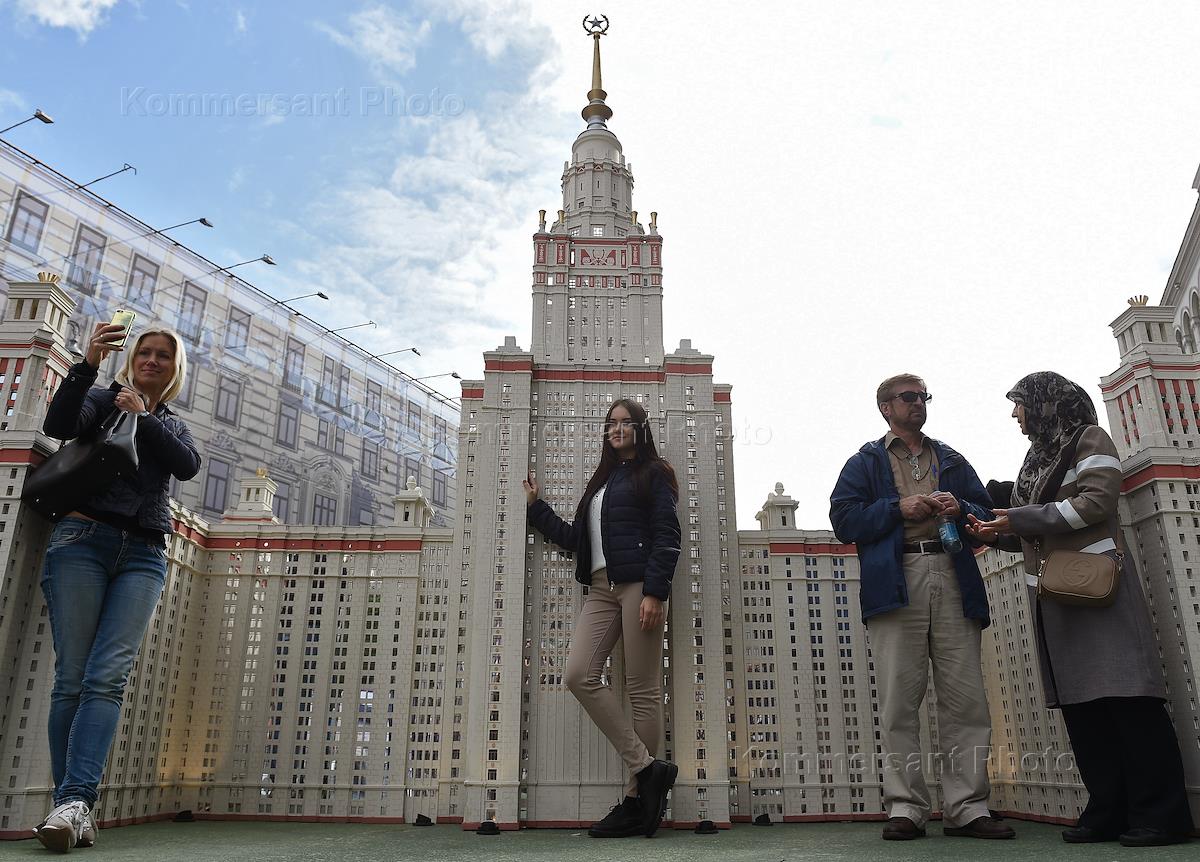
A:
(164, 444)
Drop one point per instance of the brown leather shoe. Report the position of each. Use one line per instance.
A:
(981, 827)
(902, 829)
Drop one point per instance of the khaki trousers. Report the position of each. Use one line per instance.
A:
(611, 615)
(903, 643)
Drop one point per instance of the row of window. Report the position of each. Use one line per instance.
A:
(25, 230)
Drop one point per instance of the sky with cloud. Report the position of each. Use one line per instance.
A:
(963, 190)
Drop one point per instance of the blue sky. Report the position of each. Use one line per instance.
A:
(346, 141)
(965, 190)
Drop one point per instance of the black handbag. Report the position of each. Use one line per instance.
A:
(84, 467)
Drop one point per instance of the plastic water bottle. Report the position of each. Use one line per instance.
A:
(948, 533)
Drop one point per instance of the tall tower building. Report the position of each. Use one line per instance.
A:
(531, 756)
(1154, 414)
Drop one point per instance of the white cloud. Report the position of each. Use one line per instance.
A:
(435, 244)
(82, 16)
(383, 37)
(239, 21)
(10, 101)
(494, 26)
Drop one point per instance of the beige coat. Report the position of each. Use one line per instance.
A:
(1088, 653)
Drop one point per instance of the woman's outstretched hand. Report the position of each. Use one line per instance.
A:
(531, 489)
(989, 531)
(651, 613)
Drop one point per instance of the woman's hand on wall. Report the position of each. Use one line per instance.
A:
(531, 489)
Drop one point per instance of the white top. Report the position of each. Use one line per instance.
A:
(597, 543)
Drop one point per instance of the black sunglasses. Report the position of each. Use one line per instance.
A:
(911, 397)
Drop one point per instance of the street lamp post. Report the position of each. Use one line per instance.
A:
(265, 258)
(393, 352)
(355, 326)
(38, 114)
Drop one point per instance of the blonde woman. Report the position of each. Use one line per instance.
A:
(106, 564)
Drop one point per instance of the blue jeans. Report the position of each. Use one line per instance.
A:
(101, 586)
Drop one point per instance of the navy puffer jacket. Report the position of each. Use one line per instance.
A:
(164, 444)
(641, 539)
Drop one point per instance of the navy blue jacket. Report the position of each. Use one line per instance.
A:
(641, 541)
(865, 510)
(164, 444)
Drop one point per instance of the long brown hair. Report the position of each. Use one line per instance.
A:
(645, 458)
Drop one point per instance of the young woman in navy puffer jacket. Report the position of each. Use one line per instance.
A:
(625, 538)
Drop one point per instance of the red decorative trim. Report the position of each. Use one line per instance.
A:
(579, 824)
(722, 397)
(508, 365)
(815, 550)
(615, 375)
(13, 345)
(1159, 471)
(685, 368)
(449, 818)
(45, 345)
(824, 818)
(21, 456)
(472, 393)
(294, 818)
(1124, 378)
(189, 533)
(1038, 818)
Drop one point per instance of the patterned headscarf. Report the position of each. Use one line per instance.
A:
(1055, 408)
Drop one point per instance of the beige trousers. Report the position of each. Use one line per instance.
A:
(609, 615)
(903, 643)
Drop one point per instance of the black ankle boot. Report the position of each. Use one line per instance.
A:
(624, 821)
(654, 783)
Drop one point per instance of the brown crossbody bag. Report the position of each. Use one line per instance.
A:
(1075, 577)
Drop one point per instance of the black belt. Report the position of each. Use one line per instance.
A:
(933, 546)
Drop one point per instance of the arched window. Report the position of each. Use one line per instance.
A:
(1191, 333)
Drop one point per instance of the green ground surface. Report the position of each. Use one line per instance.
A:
(252, 842)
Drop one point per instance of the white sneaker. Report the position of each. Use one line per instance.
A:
(87, 834)
(63, 827)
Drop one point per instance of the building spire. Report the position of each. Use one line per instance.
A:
(596, 113)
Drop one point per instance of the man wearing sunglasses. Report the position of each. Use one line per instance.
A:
(921, 604)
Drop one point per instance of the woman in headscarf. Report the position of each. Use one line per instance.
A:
(1099, 665)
